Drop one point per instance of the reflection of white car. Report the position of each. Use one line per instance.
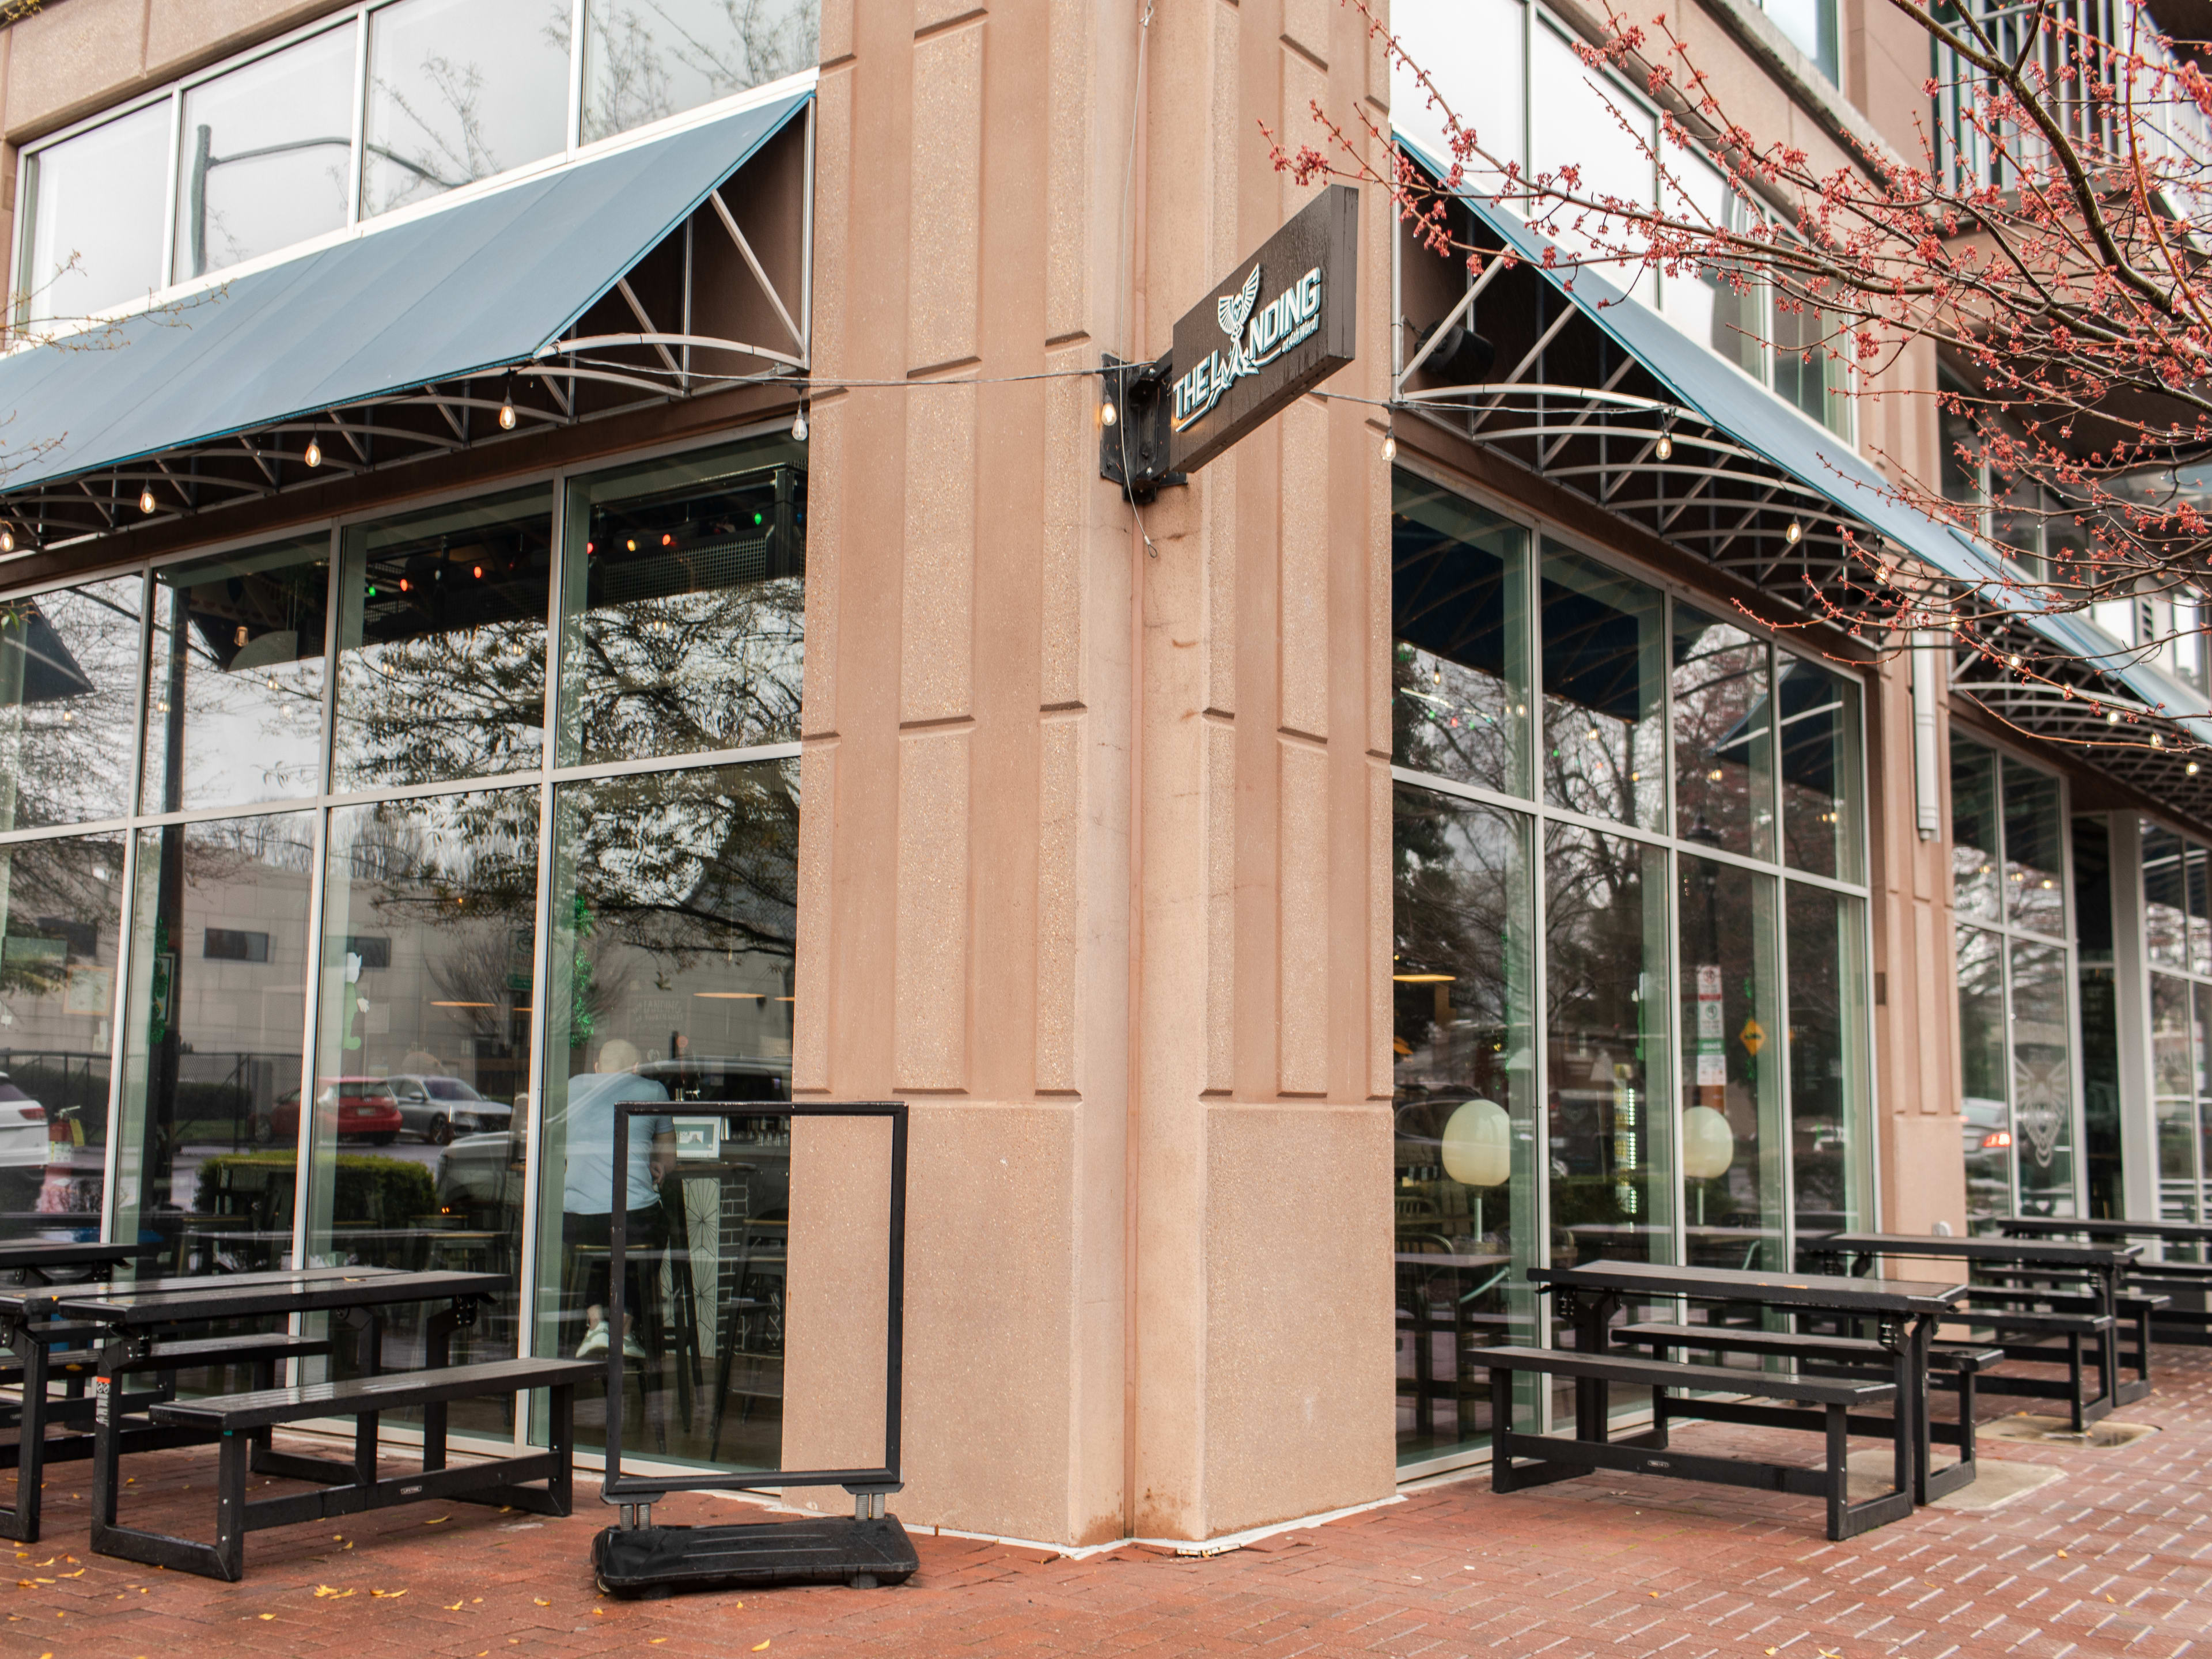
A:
(23, 1147)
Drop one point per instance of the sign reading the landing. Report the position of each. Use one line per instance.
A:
(1283, 322)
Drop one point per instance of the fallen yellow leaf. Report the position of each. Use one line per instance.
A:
(387, 1596)
(436, 1519)
(79, 1573)
(456, 1606)
(266, 1615)
(2062, 1555)
(541, 1601)
(757, 1646)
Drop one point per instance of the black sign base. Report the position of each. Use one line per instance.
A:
(654, 1561)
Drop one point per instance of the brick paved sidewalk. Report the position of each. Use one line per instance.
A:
(2112, 1557)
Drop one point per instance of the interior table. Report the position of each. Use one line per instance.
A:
(1903, 1312)
(2103, 1266)
(44, 1256)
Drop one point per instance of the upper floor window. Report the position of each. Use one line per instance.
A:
(1810, 25)
(391, 104)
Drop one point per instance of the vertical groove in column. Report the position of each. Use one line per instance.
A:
(1220, 638)
(1302, 920)
(930, 994)
(1220, 763)
(1059, 861)
(1302, 589)
(1382, 1023)
(947, 219)
(817, 816)
(1071, 463)
(938, 595)
(826, 527)
(1068, 206)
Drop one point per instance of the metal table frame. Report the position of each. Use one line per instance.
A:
(1905, 1314)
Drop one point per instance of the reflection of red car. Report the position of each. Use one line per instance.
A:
(367, 1110)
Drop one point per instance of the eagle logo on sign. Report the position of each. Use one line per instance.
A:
(1233, 310)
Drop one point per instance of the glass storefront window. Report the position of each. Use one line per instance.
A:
(1605, 1032)
(68, 690)
(1819, 721)
(1604, 742)
(2165, 917)
(1830, 1156)
(207, 1141)
(2035, 893)
(1724, 737)
(1985, 1113)
(2042, 1079)
(684, 600)
(1974, 881)
(646, 59)
(266, 154)
(96, 204)
(460, 90)
(426, 967)
(442, 654)
(1460, 620)
(235, 696)
(2016, 1018)
(61, 912)
(1466, 1158)
(674, 907)
(2200, 934)
(1730, 1129)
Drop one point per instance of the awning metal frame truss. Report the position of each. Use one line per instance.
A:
(1578, 411)
(593, 371)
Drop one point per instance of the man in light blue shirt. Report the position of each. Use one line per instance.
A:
(587, 1206)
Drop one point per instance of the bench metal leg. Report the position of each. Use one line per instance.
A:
(21, 1522)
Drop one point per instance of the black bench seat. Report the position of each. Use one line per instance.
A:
(1832, 1400)
(1850, 1355)
(2076, 1340)
(236, 1421)
(74, 1417)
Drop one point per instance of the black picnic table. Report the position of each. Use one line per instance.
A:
(31, 1328)
(131, 1316)
(2187, 1284)
(2104, 1265)
(1905, 1313)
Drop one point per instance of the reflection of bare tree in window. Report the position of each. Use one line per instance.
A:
(691, 671)
(68, 675)
(650, 58)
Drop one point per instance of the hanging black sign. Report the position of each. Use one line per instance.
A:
(1285, 320)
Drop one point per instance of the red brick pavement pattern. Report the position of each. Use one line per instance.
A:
(2113, 1559)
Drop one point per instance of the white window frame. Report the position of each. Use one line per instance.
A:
(356, 18)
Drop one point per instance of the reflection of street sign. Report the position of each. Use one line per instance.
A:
(1751, 1036)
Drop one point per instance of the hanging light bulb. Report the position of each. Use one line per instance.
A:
(145, 500)
(1106, 413)
(2156, 741)
(2014, 659)
(7, 539)
(1664, 449)
(1795, 534)
(2190, 768)
(314, 455)
(2113, 717)
(799, 425)
(506, 417)
(1389, 446)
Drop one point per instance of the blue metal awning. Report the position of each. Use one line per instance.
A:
(1755, 418)
(457, 292)
(1777, 465)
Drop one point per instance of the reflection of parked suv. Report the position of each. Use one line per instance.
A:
(439, 1108)
(23, 1147)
